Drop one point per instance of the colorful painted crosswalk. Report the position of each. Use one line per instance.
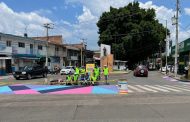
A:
(101, 89)
(58, 89)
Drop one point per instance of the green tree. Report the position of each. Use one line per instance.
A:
(133, 32)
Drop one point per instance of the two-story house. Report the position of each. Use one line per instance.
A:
(17, 51)
(56, 51)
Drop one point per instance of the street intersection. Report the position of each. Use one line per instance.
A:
(153, 99)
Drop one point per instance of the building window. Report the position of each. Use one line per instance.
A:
(20, 44)
(31, 46)
(56, 48)
(40, 47)
(8, 43)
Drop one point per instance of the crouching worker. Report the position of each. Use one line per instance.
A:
(69, 79)
(93, 78)
(87, 79)
(82, 73)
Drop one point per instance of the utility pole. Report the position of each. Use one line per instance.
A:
(166, 48)
(176, 47)
(47, 26)
(82, 56)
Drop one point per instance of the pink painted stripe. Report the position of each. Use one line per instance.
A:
(26, 92)
(83, 90)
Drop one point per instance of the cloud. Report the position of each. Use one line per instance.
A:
(86, 16)
(99, 6)
(43, 12)
(187, 11)
(162, 13)
(15, 23)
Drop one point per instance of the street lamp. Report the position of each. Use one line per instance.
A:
(174, 20)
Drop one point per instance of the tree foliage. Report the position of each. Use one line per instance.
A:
(133, 32)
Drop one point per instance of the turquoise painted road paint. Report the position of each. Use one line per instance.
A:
(99, 90)
(5, 89)
(50, 87)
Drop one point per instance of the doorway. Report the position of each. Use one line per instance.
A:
(8, 66)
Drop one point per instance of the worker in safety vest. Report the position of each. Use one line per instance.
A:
(69, 79)
(82, 73)
(75, 79)
(77, 72)
(106, 73)
(97, 72)
(93, 77)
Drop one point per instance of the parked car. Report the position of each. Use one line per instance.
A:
(163, 69)
(141, 70)
(67, 70)
(30, 71)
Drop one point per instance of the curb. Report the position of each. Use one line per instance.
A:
(175, 78)
(121, 72)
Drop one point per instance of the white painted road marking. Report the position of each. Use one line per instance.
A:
(171, 89)
(184, 89)
(156, 88)
(145, 88)
(134, 88)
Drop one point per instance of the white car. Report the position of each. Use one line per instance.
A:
(67, 70)
(163, 69)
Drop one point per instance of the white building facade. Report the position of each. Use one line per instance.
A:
(17, 51)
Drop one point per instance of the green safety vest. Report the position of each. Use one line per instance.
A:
(82, 71)
(69, 78)
(77, 70)
(94, 78)
(96, 71)
(75, 77)
(106, 71)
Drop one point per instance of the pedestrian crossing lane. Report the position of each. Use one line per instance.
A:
(156, 88)
(134, 88)
(179, 88)
(145, 88)
(171, 89)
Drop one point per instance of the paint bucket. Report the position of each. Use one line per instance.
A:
(123, 87)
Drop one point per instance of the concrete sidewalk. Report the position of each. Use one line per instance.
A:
(179, 77)
(120, 72)
(6, 77)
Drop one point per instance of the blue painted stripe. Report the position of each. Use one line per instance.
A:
(5, 89)
(99, 90)
(49, 87)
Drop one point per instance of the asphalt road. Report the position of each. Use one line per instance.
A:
(147, 106)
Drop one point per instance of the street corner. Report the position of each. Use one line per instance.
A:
(2, 83)
(60, 89)
(121, 72)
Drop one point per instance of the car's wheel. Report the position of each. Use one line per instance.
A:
(17, 78)
(45, 75)
(29, 77)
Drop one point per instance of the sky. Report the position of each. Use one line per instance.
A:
(76, 19)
